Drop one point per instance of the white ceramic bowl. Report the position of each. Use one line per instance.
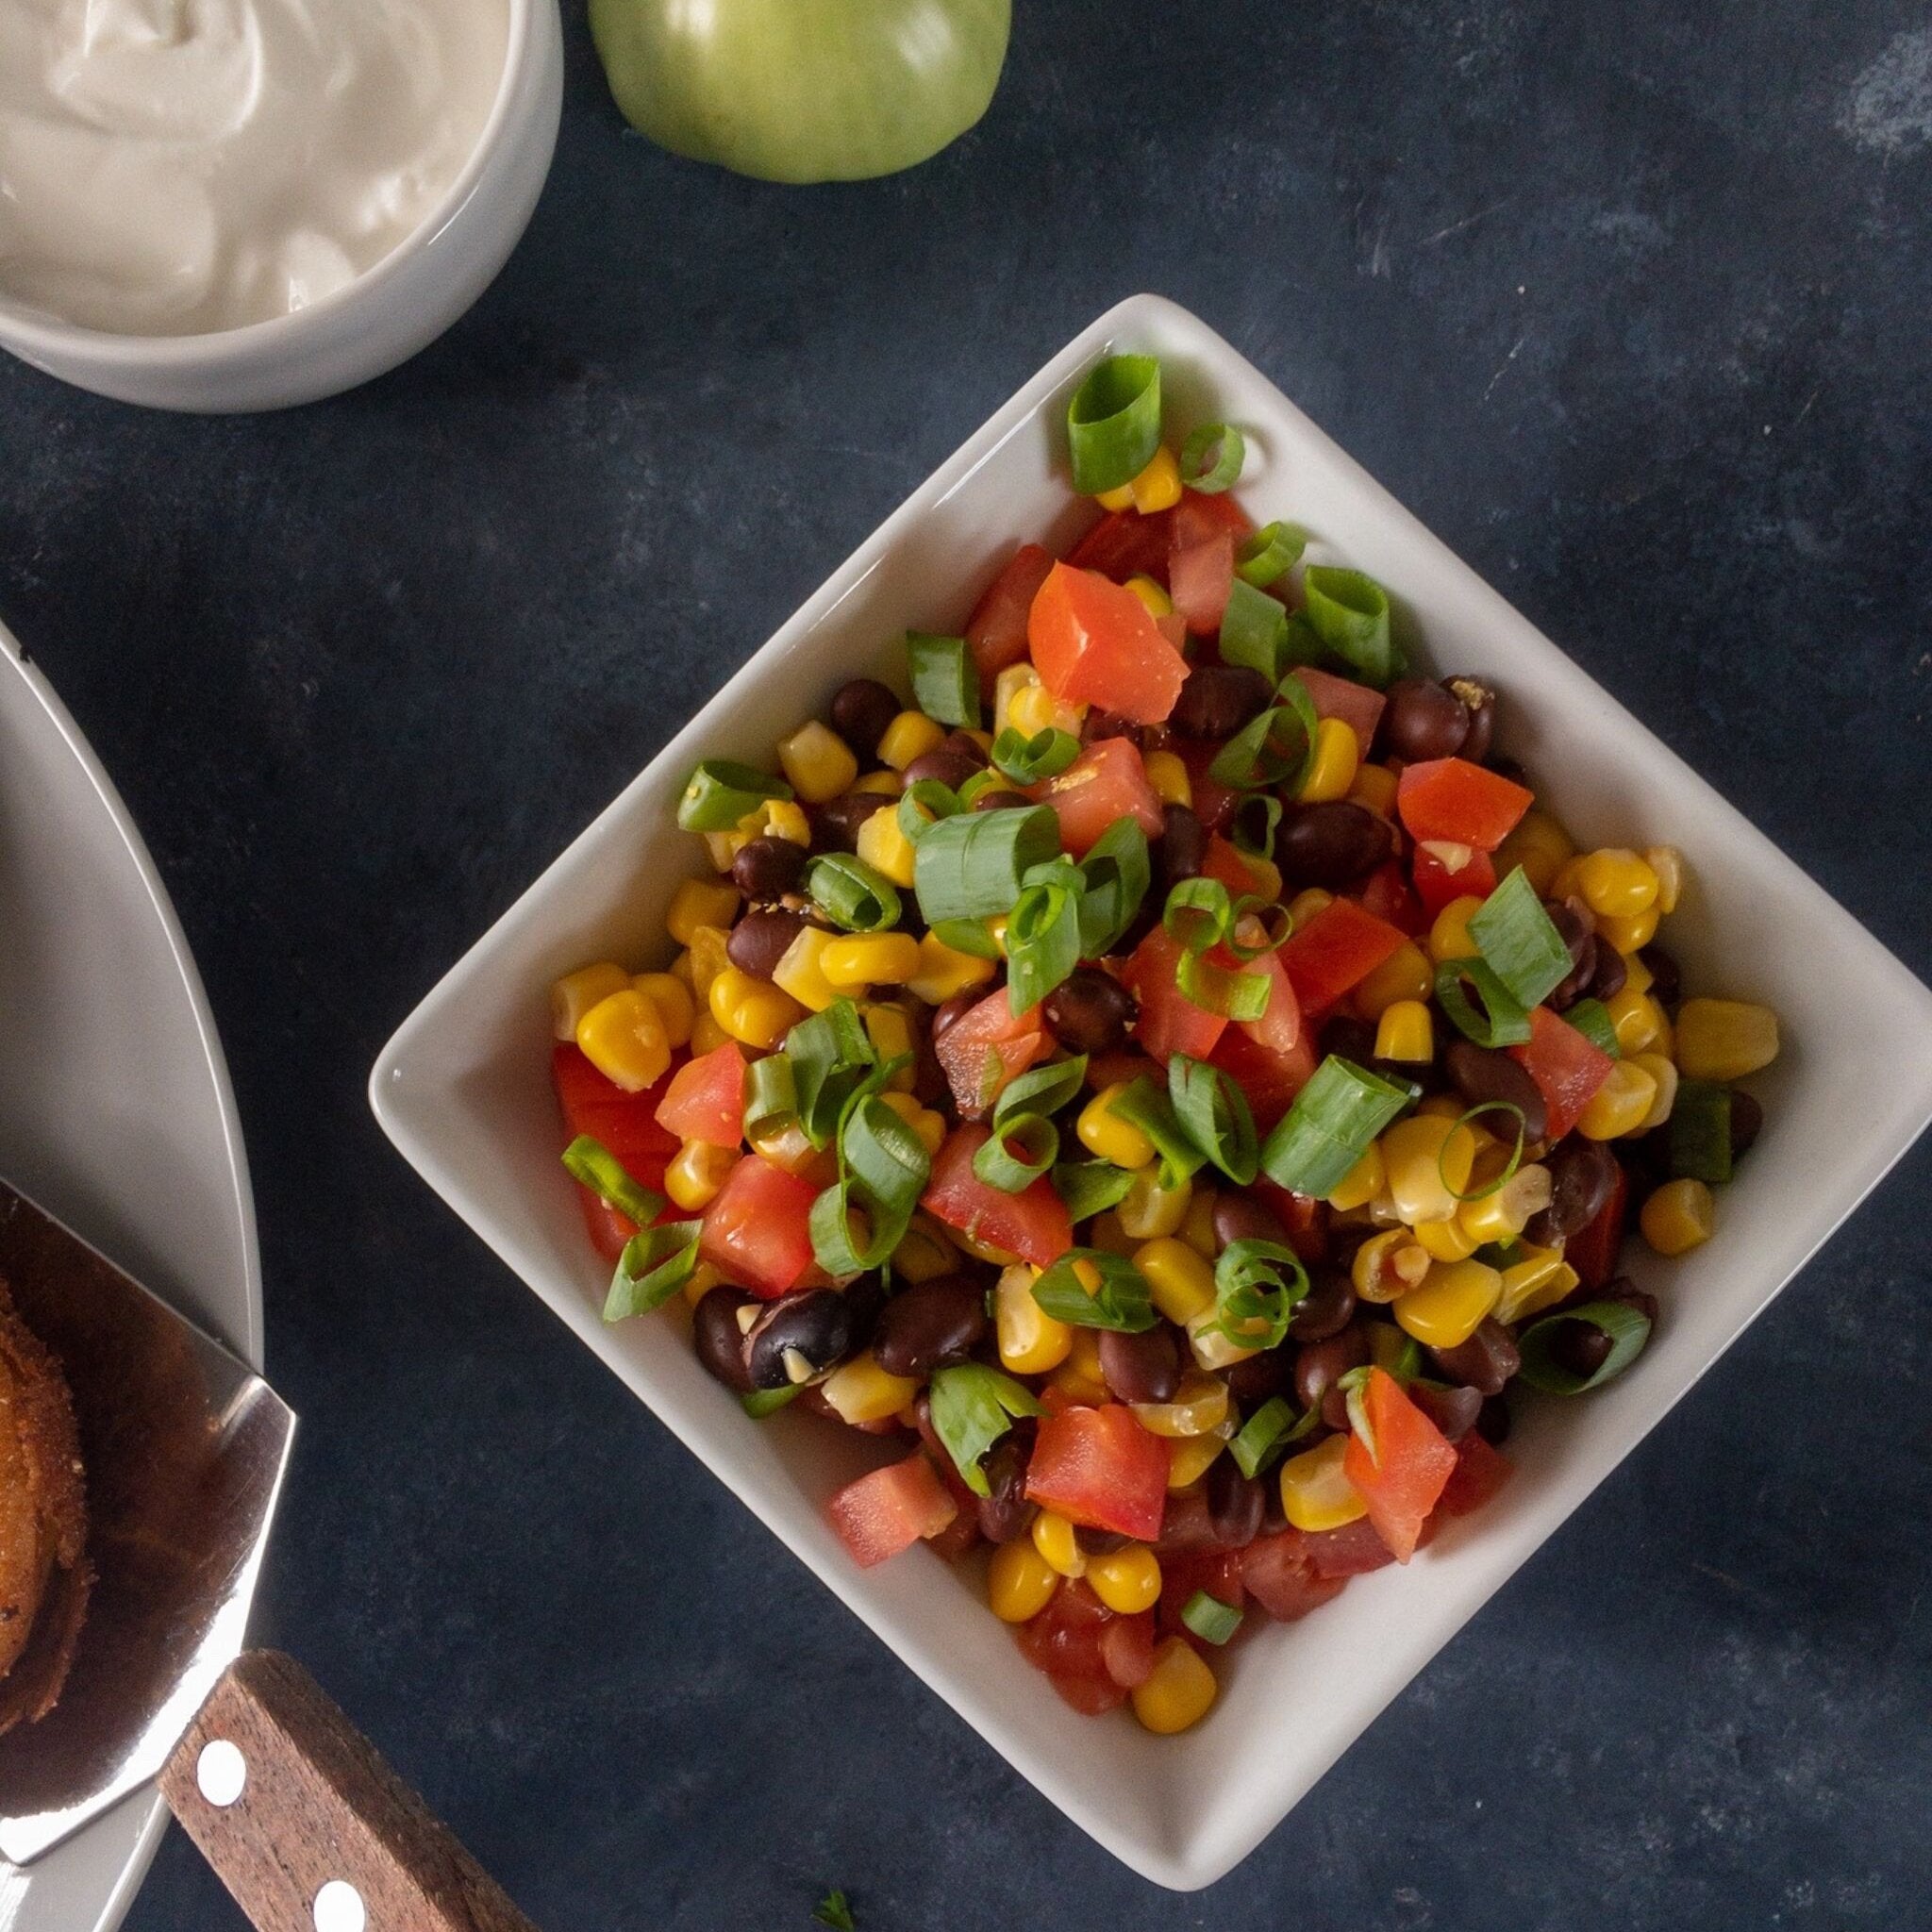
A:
(398, 306)
(463, 1090)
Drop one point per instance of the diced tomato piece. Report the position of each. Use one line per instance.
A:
(1125, 544)
(1436, 883)
(1279, 1029)
(996, 631)
(1064, 1638)
(1593, 1250)
(1389, 895)
(1032, 1224)
(1198, 516)
(706, 1099)
(1279, 1573)
(1412, 1462)
(1452, 799)
(1335, 952)
(1100, 1467)
(758, 1229)
(891, 1509)
(1567, 1067)
(626, 1124)
(1270, 1080)
(1481, 1470)
(1355, 705)
(987, 1047)
(1353, 1550)
(1173, 628)
(1108, 781)
(1213, 802)
(1218, 1572)
(1170, 1022)
(1304, 1218)
(1127, 1648)
(1199, 577)
(1089, 1697)
(1226, 864)
(1121, 1067)
(1096, 642)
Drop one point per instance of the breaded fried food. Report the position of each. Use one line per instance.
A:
(44, 1575)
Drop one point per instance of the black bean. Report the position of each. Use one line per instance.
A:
(1453, 1410)
(1577, 981)
(1422, 720)
(1579, 1347)
(1666, 977)
(1330, 843)
(760, 940)
(1089, 1011)
(1005, 1514)
(1235, 1505)
(1479, 700)
(1099, 724)
(997, 798)
(1217, 700)
(717, 1338)
(1482, 1075)
(1326, 1309)
(1181, 850)
(1611, 975)
(1493, 1423)
(1747, 1123)
(1144, 1367)
(1319, 1365)
(864, 1301)
(1350, 1038)
(930, 1325)
(860, 712)
(1335, 1408)
(948, 762)
(1255, 1378)
(1484, 1362)
(835, 824)
(1583, 1174)
(767, 869)
(797, 1336)
(1246, 1218)
(968, 746)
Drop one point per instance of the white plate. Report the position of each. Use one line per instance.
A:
(116, 1114)
(463, 1090)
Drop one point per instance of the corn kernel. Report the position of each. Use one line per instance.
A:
(1149, 1207)
(1120, 498)
(1199, 1406)
(1615, 883)
(1126, 1581)
(1363, 1181)
(801, 972)
(1449, 938)
(1031, 1341)
(1189, 1457)
(885, 847)
(943, 972)
(891, 1033)
(680, 967)
(673, 999)
(928, 1125)
(1197, 1229)
(753, 1012)
(873, 959)
(1450, 1304)
(1724, 1040)
(1505, 1212)
(923, 1253)
(1406, 1032)
(696, 1172)
(1081, 1376)
(1639, 1021)
(700, 902)
(1054, 1537)
(622, 1036)
(1678, 1216)
(1169, 777)
(1539, 1279)
(785, 819)
(1405, 974)
(1628, 935)
(1540, 847)
(886, 782)
(1305, 904)
(1429, 1160)
(1020, 1583)
(708, 952)
(1006, 687)
(1106, 1233)
(706, 1036)
(787, 1147)
(576, 993)
(1619, 1104)
(1664, 1071)
(818, 763)
(1331, 770)
(861, 1392)
(1150, 593)
(1375, 787)
(1181, 1281)
(1158, 486)
(1667, 862)
(910, 736)
(1446, 1241)
(724, 847)
(1388, 1265)
(1033, 709)
(1316, 1493)
(700, 1281)
(1181, 1693)
(1211, 1346)
(1103, 1133)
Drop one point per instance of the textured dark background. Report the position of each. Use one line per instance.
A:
(1628, 300)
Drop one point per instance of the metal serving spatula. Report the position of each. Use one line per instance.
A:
(185, 1449)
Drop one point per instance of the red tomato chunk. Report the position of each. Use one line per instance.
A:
(986, 1048)
(626, 1124)
(1108, 781)
(1567, 1067)
(706, 1099)
(1411, 1463)
(1099, 1467)
(758, 1229)
(1335, 952)
(1032, 1224)
(1096, 642)
(996, 631)
(891, 1509)
(1464, 804)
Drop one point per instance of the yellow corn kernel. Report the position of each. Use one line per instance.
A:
(1446, 1241)
(872, 958)
(1678, 1216)
(1337, 759)
(700, 1281)
(910, 736)
(1054, 1537)
(1033, 709)
(1197, 1228)
(885, 847)
(753, 1012)
(943, 972)
(1189, 1457)
(1316, 1494)
(1210, 1345)
(680, 967)
(1539, 1279)
(1198, 1408)
(723, 848)
(1405, 974)
(1406, 1032)
(891, 1033)
(673, 999)
(1639, 1021)
(1305, 904)
(1388, 1265)
(1664, 1071)
(1615, 883)
(1667, 862)
(1181, 1693)
(1375, 787)
(1158, 486)
(786, 820)
(1103, 1133)
(1106, 1233)
(1031, 1341)
(1540, 847)
(1450, 1304)
(1012, 681)
(1080, 1375)
(1724, 1040)
(1363, 1181)
(885, 781)
(1150, 593)
(622, 1036)
(1169, 777)
(801, 971)
(576, 993)
(1117, 499)
(1180, 1280)
(923, 1253)
(861, 1392)
(982, 1250)
(1126, 1581)
(1619, 1104)
(818, 763)
(1149, 1209)
(706, 1036)
(708, 952)
(928, 1125)
(787, 1147)
(1637, 976)
(1449, 936)
(1020, 1583)
(696, 1172)
(1429, 1160)
(1628, 935)
(1503, 1214)
(700, 902)
(1567, 883)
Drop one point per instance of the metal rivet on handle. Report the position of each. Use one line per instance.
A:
(339, 1907)
(221, 1772)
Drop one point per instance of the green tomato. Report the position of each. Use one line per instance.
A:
(803, 89)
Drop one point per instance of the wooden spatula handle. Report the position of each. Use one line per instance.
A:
(318, 1816)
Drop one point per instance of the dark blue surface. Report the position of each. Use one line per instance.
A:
(1629, 301)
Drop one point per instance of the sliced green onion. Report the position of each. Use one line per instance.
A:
(655, 1263)
(1521, 945)
(587, 1159)
(1406, 1361)
(854, 895)
(1113, 423)
(1091, 1187)
(1628, 1329)
(967, 936)
(763, 1402)
(1252, 828)
(1300, 646)
(973, 865)
(721, 792)
(831, 1055)
(1515, 1160)
(1229, 449)
(1042, 935)
(1041, 1090)
(1500, 1021)
(972, 1407)
(1698, 1139)
(924, 804)
(1216, 988)
(945, 680)
(1209, 1619)
(1019, 1150)
(1198, 914)
(1252, 913)
(1354, 1385)
(1122, 1302)
(1264, 752)
(1329, 1127)
(771, 1097)
(1214, 1113)
(1257, 1287)
(1027, 761)
(1142, 1104)
(1268, 556)
(883, 1169)
(1257, 1440)
(1349, 613)
(1591, 1018)
(1254, 631)
(834, 1912)
(1116, 871)
(984, 780)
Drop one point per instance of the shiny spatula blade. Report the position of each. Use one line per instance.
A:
(185, 1449)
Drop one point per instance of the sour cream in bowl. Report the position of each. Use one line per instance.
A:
(242, 203)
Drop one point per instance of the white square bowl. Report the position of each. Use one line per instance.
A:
(463, 1090)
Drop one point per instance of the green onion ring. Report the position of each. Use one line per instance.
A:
(1230, 452)
(1113, 423)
